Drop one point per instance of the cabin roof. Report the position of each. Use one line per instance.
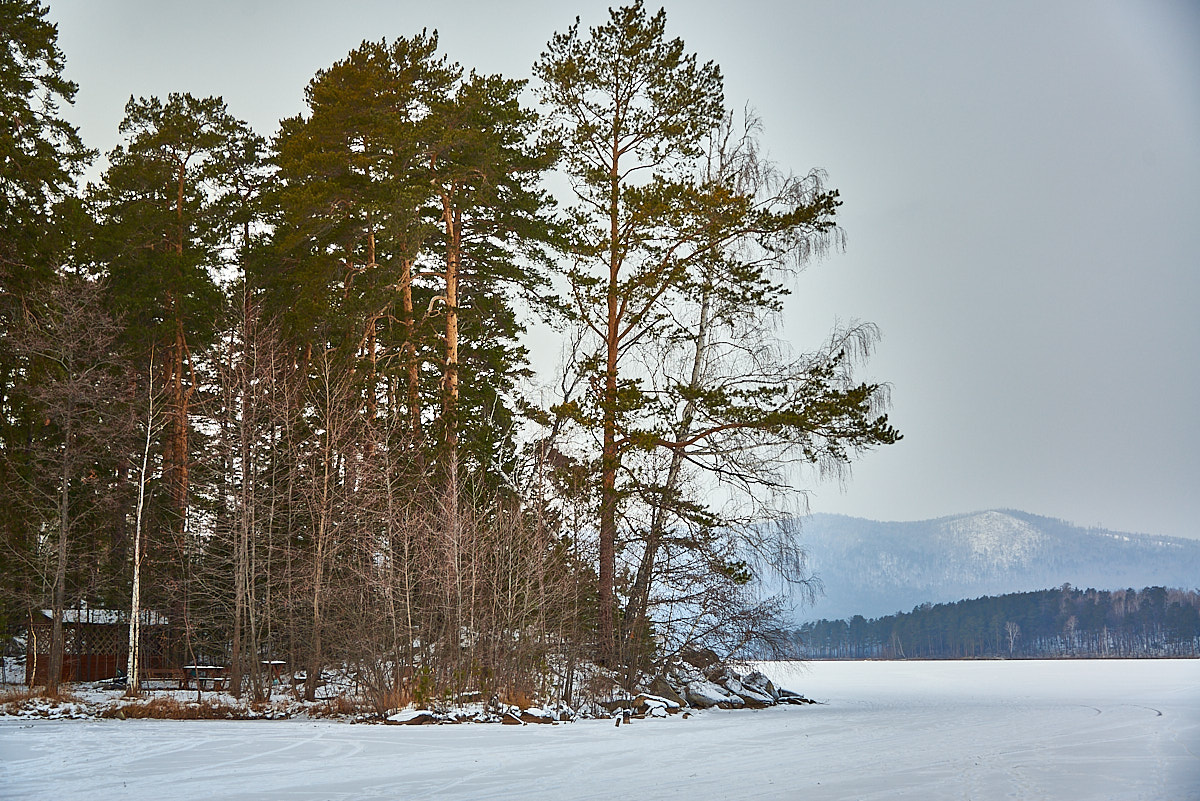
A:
(106, 617)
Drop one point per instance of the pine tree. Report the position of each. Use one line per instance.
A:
(166, 208)
(353, 207)
(409, 220)
(674, 250)
(41, 156)
(627, 103)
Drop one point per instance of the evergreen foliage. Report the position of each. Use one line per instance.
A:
(165, 214)
(41, 155)
(682, 238)
(289, 369)
(1062, 622)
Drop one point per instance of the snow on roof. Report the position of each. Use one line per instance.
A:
(107, 617)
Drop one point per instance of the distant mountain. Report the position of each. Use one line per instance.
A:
(872, 569)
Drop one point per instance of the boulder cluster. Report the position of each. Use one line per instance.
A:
(701, 680)
(696, 679)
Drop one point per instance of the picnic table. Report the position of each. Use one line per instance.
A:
(212, 675)
(164, 674)
(274, 668)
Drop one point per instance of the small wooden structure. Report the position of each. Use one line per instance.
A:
(95, 644)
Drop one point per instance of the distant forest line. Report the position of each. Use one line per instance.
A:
(1064, 622)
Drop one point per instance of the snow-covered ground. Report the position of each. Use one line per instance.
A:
(919, 730)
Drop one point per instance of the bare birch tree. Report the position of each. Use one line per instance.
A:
(133, 654)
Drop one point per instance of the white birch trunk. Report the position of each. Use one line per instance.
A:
(133, 681)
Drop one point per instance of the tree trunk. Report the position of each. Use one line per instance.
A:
(180, 399)
(410, 354)
(133, 685)
(373, 322)
(58, 602)
(315, 659)
(636, 618)
(610, 460)
(453, 220)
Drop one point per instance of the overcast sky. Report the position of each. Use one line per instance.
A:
(1022, 203)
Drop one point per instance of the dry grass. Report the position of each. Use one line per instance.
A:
(166, 708)
(12, 700)
(392, 698)
(17, 700)
(22, 694)
(517, 698)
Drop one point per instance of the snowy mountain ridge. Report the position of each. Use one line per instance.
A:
(876, 568)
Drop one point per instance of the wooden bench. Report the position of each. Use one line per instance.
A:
(207, 677)
(166, 674)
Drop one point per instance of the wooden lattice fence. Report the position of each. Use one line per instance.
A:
(95, 645)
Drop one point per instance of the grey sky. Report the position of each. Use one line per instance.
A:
(1022, 201)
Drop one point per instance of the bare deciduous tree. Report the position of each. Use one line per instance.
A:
(74, 378)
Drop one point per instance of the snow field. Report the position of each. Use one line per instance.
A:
(1072, 730)
(1036, 729)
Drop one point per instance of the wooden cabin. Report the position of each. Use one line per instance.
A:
(95, 644)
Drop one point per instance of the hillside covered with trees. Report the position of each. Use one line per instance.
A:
(267, 388)
(1063, 622)
(874, 568)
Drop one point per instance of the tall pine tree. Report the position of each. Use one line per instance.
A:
(41, 156)
(668, 250)
(173, 210)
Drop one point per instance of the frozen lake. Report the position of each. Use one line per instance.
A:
(920, 730)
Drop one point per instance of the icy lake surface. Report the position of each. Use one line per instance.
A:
(1078, 730)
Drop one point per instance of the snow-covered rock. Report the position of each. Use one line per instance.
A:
(408, 715)
(789, 697)
(756, 681)
(753, 698)
(662, 688)
(703, 694)
(536, 715)
(413, 717)
(699, 680)
(700, 658)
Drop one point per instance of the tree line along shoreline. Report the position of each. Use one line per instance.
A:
(1065, 622)
(272, 393)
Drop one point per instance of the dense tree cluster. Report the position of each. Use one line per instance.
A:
(270, 387)
(1063, 622)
